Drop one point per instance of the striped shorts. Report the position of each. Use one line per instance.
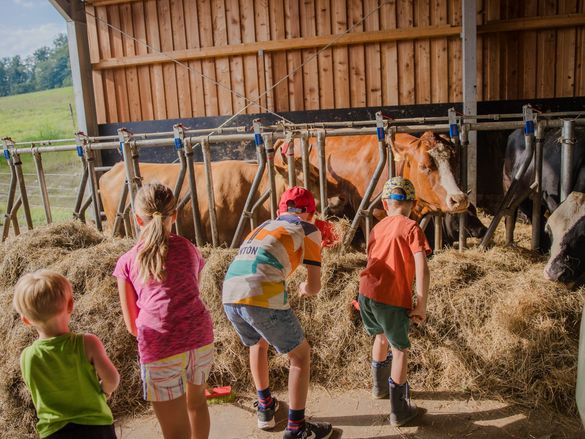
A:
(167, 379)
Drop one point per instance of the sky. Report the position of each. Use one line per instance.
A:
(27, 25)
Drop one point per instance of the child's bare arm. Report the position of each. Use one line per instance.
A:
(313, 283)
(128, 303)
(104, 368)
(418, 314)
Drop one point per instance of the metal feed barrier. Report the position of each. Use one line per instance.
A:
(184, 141)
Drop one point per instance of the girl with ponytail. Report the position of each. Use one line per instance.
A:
(158, 282)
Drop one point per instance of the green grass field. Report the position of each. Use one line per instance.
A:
(44, 115)
(38, 116)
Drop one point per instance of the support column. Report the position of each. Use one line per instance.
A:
(469, 46)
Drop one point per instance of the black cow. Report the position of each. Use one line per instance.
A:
(569, 262)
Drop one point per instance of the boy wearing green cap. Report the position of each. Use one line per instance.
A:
(397, 251)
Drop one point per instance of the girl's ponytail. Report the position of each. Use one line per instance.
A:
(155, 204)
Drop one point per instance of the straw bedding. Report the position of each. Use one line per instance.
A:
(495, 327)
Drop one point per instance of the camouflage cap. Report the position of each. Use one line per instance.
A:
(399, 183)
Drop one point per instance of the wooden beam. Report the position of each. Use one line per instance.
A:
(442, 31)
(97, 3)
(282, 45)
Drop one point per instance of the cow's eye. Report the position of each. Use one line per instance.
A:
(424, 169)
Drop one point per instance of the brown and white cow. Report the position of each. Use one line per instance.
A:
(232, 181)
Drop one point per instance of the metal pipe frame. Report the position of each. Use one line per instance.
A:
(22, 189)
(93, 184)
(247, 212)
(193, 193)
(269, 148)
(178, 132)
(305, 157)
(322, 171)
(78, 212)
(11, 194)
(567, 154)
(537, 195)
(382, 157)
(210, 191)
(119, 221)
(84, 207)
(43, 186)
(513, 189)
(290, 161)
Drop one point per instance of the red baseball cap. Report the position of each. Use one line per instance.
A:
(302, 200)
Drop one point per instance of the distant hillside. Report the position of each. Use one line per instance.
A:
(38, 116)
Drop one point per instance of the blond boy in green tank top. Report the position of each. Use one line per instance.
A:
(67, 374)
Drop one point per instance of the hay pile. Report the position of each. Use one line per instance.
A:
(495, 326)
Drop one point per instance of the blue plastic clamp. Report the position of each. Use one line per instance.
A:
(7, 154)
(528, 127)
(453, 130)
(178, 143)
(79, 150)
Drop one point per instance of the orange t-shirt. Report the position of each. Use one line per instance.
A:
(390, 271)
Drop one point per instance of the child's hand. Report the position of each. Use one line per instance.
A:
(303, 290)
(418, 314)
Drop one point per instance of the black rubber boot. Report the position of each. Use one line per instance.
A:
(380, 377)
(402, 409)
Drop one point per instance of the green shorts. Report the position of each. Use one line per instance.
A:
(392, 321)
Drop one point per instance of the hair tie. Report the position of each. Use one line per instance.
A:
(157, 213)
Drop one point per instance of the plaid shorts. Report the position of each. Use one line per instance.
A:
(167, 379)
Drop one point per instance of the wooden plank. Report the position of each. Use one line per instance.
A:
(182, 72)
(373, 56)
(119, 74)
(94, 56)
(389, 55)
(206, 35)
(493, 54)
(294, 58)
(422, 54)
(222, 65)
(232, 12)
(250, 62)
(357, 57)
(108, 2)
(195, 67)
(156, 71)
(528, 47)
(439, 70)
(326, 95)
(132, 85)
(144, 85)
(455, 55)
(262, 21)
(547, 58)
(279, 61)
(407, 34)
(310, 61)
(169, 70)
(510, 46)
(108, 76)
(340, 56)
(479, 56)
(406, 73)
(566, 46)
(580, 61)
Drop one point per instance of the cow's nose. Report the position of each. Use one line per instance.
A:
(457, 202)
(546, 274)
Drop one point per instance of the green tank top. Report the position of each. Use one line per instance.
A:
(63, 384)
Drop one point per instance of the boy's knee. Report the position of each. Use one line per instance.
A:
(300, 354)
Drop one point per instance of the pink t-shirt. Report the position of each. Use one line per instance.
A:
(172, 318)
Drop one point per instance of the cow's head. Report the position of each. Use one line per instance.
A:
(429, 163)
(566, 228)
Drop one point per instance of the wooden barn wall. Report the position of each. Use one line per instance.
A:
(133, 82)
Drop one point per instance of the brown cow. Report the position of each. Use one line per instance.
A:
(232, 180)
(427, 161)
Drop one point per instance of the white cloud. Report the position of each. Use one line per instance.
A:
(29, 4)
(24, 41)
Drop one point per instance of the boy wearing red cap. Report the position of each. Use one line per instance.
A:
(255, 300)
(397, 251)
